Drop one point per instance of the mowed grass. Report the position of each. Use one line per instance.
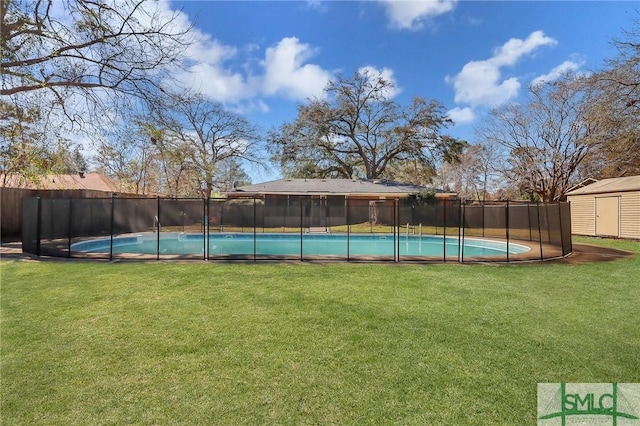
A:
(293, 344)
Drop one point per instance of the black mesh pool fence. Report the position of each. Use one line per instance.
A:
(296, 228)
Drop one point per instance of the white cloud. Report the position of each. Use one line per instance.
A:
(286, 72)
(316, 5)
(283, 71)
(480, 83)
(557, 72)
(204, 70)
(410, 15)
(206, 50)
(387, 75)
(514, 49)
(214, 82)
(462, 115)
(240, 76)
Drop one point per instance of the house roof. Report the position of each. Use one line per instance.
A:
(89, 181)
(623, 184)
(333, 187)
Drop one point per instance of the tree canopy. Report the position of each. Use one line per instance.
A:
(615, 110)
(358, 130)
(118, 45)
(579, 126)
(67, 66)
(204, 137)
(544, 141)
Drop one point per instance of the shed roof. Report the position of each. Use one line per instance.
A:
(333, 187)
(622, 184)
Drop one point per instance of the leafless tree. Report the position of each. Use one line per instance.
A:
(544, 141)
(202, 136)
(126, 153)
(29, 145)
(473, 176)
(616, 111)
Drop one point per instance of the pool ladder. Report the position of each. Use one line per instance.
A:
(414, 231)
(156, 224)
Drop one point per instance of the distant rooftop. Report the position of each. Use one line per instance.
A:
(88, 181)
(334, 187)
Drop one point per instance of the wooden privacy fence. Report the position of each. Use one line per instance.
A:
(11, 206)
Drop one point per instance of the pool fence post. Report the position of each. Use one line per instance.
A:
(396, 230)
(301, 223)
(413, 213)
(539, 230)
(561, 233)
(111, 226)
(482, 213)
(222, 216)
(158, 229)
(254, 229)
(529, 221)
(38, 225)
(460, 223)
(506, 226)
(346, 200)
(70, 226)
(546, 212)
(284, 214)
(396, 213)
(327, 220)
(462, 213)
(205, 228)
(444, 234)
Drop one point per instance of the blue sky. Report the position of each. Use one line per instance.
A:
(264, 58)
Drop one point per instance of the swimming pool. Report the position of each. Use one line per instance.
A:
(299, 245)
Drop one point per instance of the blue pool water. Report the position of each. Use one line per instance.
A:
(229, 244)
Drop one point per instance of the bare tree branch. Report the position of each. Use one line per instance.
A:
(115, 45)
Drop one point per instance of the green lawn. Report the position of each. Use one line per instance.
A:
(231, 344)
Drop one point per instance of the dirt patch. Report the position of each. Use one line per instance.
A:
(587, 253)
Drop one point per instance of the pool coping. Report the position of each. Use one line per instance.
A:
(582, 253)
(124, 239)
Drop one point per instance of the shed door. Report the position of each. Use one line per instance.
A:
(608, 216)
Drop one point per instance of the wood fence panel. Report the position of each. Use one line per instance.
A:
(11, 205)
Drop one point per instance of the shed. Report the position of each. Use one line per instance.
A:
(607, 208)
